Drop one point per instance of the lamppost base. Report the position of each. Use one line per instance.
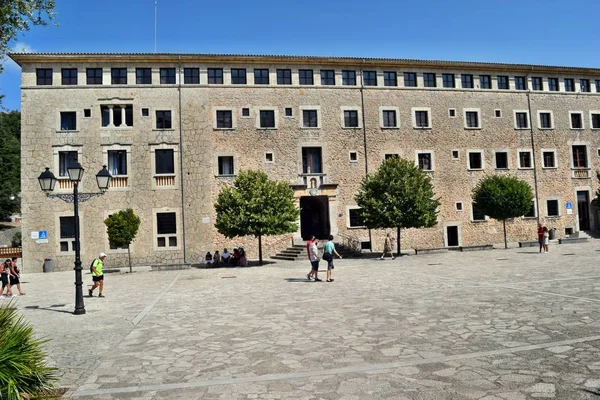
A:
(79, 312)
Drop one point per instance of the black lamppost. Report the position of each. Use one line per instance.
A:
(47, 183)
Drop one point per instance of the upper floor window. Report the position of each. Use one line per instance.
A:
(595, 117)
(448, 80)
(118, 76)
(167, 76)
(224, 119)
(553, 84)
(261, 76)
(370, 78)
(93, 76)
(66, 160)
(537, 83)
(238, 76)
(421, 119)
(191, 76)
(502, 82)
(521, 120)
(215, 76)
(501, 160)
(429, 79)
(597, 85)
(69, 76)
(117, 115)
(164, 161)
(348, 78)
(390, 78)
(143, 76)
(579, 157)
(312, 160)
(569, 85)
(350, 119)
(520, 83)
(166, 229)
(424, 160)
(485, 81)
(310, 119)
(525, 159)
(389, 119)
(549, 159)
(163, 119)
(584, 85)
(267, 118)
(466, 81)
(284, 76)
(327, 77)
(43, 76)
(68, 121)
(410, 79)
(472, 119)
(546, 120)
(117, 162)
(475, 160)
(306, 77)
(226, 166)
(576, 120)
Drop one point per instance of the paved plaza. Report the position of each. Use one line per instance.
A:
(494, 325)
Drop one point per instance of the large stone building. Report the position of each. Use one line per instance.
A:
(174, 128)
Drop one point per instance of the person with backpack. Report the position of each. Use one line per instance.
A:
(328, 252)
(97, 274)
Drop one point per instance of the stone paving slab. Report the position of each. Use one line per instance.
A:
(499, 324)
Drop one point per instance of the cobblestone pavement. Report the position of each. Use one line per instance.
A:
(493, 325)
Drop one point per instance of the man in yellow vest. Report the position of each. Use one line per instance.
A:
(98, 274)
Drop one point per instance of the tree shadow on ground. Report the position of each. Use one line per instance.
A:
(50, 308)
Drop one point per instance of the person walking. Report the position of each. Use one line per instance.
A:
(98, 275)
(387, 246)
(314, 261)
(546, 239)
(328, 252)
(15, 278)
(6, 275)
(308, 243)
(540, 233)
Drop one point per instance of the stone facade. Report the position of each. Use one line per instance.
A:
(197, 145)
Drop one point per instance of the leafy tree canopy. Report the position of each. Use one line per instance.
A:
(503, 197)
(122, 227)
(10, 162)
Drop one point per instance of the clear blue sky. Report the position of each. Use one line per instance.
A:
(552, 32)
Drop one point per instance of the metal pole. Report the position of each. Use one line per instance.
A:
(155, 22)
(79, 306)
(535, 180)
(362, 102)
(181, 167)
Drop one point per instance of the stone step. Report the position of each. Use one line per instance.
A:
(285, 258)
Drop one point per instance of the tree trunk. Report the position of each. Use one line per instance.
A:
(398, 254)
(260, 262)
(129, 255)
(505, 242)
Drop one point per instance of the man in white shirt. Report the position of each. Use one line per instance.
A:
(313, 256)
(226, 256)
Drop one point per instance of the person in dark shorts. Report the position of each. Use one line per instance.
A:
(328, 252)
(5, 272)
(540, 233)
(15, 278)
(98, 275)
(314, 260)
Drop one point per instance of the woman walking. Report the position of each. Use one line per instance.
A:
(328, 252)
(15, 278)
(546, 239)
(6, 275)
(387, 246)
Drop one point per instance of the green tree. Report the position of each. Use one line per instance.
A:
(10, 162)
(256, 205)
(121, 228)
(398, 195)
(503, 197)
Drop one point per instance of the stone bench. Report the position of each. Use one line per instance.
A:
(477, 247)
(531, 243)
(572, 240)
(433, 250)
(170, 267)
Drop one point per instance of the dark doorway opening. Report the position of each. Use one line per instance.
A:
(452, 235)
(314, 217)
(583, 209)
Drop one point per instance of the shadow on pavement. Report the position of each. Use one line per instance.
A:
(49, 308)
(299, 280)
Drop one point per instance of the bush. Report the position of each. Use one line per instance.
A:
(17, 239)
(24, 371)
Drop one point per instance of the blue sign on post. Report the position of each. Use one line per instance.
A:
(569, 206)
(43, 235)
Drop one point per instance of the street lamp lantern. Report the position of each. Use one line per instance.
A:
(103, 178)
(75, 172)
(47, 180)
(12, 197)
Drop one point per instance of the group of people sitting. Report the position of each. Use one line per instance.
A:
(235, 259)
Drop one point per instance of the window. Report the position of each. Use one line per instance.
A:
(245, 112)
(69, 76)
(520, 83)
(306, 76)
(261, 76)
(478, 214)
(502, 82)
(67, 232)
(87, 113)
(595, 120)
(117, 162)
(167, 76)
(389, 119)
(166, 229)
(459, 206)
(353, 155)
(370, 78)
(310, 119)
(267, 119)
(164, 161)
(537, 83)
(113, 115)
(485, 81)
(93, 76)
(289, 112)
(348, 78)
(118, 76)
(410, 79)
(226, 165)
(215, 76)
(455, 155)
(553, 84)
(452, 112)
(475, 160)
(531, 213)
(545, 120)
(525, 159)
(552, 208)
(43, 76)
(466, 81)
(429, 79)
(350, 119)
(521, 120)
(269, 157)
(501, 160)
(68, 121)
(327, 77)
(569, 85)
(597, 85)
(579, 157)
(498, 113)
(422, 119)
(391, 79)
(584, 85)
(448, 80)
(576, 120)
(549, 159)
(312, 161)
(472, 119)
(224, 119)
(143, 76)
(66, 159)
(284, 76)
(191, 76)
(389, 156)
(145, 112)
(238, 76)
(355, 218)
(163, 119)
(424, 161)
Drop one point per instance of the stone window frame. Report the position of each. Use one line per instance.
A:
(118, 250)
(58, 120)
(350, 156)
(358, 116)
(591, 113)
(478, 111)
(468, 159)
(276, 117)
(68, 213)
(553, 198)
(348, 208)
(272, 161)
(120, 102)
(233, 118)
(587, 154)
(431, 158)
(389, 108)
(524, 150)
(528, 119)
(457, 154)
(249, 112)
(452, 111)
(114, 147)
(458, 206)
(539, 119)
(571, 112)
(413, 112)
(56, 161)
(497, 113)
(310, 108)
(155, 119)
(542, 151)
(508, 164)
(178, 233)
(164, 146)
(236, 169)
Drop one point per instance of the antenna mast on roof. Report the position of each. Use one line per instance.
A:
(155, 22)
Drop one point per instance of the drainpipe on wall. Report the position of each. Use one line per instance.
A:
(362, 102)
(181, 165)
(535, 180)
